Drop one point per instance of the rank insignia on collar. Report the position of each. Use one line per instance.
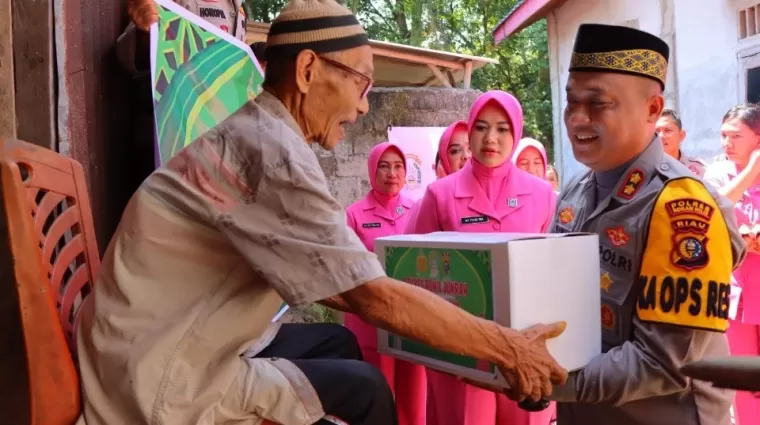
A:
(617, 236)
(566, 215)
(605, 282)
(399, 210)
(632, 184)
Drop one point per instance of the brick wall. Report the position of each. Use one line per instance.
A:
(346, 166)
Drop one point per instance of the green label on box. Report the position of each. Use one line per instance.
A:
(461, 276)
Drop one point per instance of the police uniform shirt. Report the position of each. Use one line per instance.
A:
(695, 165)
(668, 245)
(606, 181)
(228, 15)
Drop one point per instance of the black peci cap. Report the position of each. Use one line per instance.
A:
(609, 48)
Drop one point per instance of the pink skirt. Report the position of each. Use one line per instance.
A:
(407, 381)
(452, 402)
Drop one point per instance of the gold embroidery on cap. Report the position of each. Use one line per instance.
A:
(640, 61)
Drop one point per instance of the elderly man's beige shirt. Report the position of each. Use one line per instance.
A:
(206, 251)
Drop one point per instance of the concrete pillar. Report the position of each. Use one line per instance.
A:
(668, 33)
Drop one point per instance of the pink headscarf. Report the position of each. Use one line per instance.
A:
(387, 201)
(445, 141)
(527, 142)
(493, 180)
(508, 103)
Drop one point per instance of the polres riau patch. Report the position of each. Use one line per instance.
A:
(690, 220)
(681, 283)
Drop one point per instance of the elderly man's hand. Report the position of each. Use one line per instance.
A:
(143, 13)
(533, 370)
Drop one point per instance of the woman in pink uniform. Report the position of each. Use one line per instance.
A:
(738, 179)
(384, 212)
(453, 149)
(453, 153)
(530, 156)
(489, 194)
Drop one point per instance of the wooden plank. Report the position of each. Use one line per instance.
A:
(438, 74)
(450, 76)
(467, 74)
(97, 124)
(415, 58)
(7, 94)
(33, 62)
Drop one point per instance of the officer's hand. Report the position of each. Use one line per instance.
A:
(143, 13)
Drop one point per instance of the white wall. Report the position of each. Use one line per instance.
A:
(703, 79)
(562, 26)
(707, 69)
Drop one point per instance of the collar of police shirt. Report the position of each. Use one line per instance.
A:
(646, 163)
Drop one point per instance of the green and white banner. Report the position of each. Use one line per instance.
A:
(201, 75)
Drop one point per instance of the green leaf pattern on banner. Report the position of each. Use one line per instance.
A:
(200, 79)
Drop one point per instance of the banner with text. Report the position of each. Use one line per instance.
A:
(419, 145)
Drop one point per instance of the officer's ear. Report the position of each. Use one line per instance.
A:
(654, 98)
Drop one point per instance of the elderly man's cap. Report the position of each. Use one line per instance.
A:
(609, 48)
(320, 25)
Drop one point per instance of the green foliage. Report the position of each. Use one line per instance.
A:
(462, 26)
(262, 11)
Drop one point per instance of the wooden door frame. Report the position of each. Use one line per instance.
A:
(7, 91)
(27, 71)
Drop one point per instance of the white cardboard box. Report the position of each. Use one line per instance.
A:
(515, 279)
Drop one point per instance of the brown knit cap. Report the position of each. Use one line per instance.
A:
(320, 25)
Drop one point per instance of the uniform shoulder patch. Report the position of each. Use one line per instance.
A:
(685, 268)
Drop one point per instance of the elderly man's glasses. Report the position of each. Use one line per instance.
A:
(367, 80)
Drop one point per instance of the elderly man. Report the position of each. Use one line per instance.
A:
(672, 135)
(668, 244)
(180, 328)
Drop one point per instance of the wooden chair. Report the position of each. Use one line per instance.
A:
(52, 257)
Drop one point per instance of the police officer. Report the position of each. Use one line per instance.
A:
(672, 134)
(228, 15)
(133, 52)
(668, 244)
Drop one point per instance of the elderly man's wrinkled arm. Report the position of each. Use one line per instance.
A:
(420, 315)
(337, 303)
